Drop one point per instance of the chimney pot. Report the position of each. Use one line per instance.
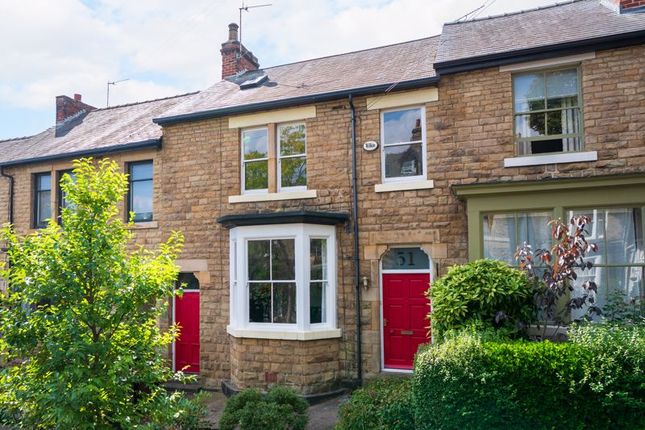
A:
(78, 97)
(232, 32)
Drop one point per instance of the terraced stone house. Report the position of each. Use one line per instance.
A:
(320, 198)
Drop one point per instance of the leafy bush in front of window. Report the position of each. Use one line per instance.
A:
(281, 409)
(384, 403)
(487, 293)
(466, 382)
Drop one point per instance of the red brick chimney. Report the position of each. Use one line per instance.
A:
(67, 107)
(623, 6)
(235, 57)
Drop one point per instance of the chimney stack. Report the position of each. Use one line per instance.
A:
(67, 109)
(628, 6)
(235, 57)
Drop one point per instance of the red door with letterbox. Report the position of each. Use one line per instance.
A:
(405, 309)
(187, 344)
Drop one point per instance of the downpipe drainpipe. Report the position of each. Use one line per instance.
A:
(10, 202)
(357, 261)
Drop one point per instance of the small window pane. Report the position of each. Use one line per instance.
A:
(562, 88)
(405, 259)
(500, 239)
(293, 172)
(318, 258)
(531, 125)
(141, 195)
(624, 236)
(42, 199)
(292, 139)
(141, 171)
(284, 303)
(595, 233)
(283, 259)
(317, 302)
(258, 260)
(403, 160)
(256, 175)
(44, 182)
(44, 207)
(402, 126)
(255, 144)
(529, 92)
(260, 302)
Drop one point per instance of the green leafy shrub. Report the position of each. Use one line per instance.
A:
(465, 382)
(384, 403)
(79, 323)
(281, 409)
(489, 293)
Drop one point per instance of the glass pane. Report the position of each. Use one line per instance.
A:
(317, 292)
(529, 92)
(284, 303)
(255, 144)
(534, 230)
(597, 275)
(563, 122)
(500, 241)
(283, 259)
(318, 258)
(403, 160)
(63, 195)
(562, 88)
(595, 233)
(293, 171)
(141, 203)
(292, 139)
(258, 260)
(260, 302)
(405, 259)
(140, 171)
(188, 281)
(531, 125)
(256, 175)
(44, 182)
(402, 126)
(44, 207)
(624, 236)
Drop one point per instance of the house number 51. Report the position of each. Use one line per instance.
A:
(403, 261)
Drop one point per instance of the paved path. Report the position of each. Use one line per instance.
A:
(322, 416)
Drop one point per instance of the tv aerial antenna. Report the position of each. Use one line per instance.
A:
(107, 101)
(246, 9)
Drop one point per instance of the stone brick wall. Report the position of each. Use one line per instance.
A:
(469, 133)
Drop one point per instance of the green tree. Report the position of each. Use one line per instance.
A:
(79, 317)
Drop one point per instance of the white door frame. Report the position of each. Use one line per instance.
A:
(382, 272)
(174, 306)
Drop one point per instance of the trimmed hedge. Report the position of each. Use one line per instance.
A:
(486, 293)
(595, 381)
(384, 403)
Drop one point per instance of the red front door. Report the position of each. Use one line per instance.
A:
(405, 309)
(187, 344)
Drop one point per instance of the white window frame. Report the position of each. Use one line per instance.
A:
(240, 326)
(424, 149)
(243, 161)
(280, 157)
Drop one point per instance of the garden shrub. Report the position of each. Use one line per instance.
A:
(489, 293)
(281, 409)
(384, 403)
(465, 382)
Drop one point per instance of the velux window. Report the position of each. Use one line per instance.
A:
(140, 192)
(285, 281)
(547, 111)
(42, 199)
(403, 144)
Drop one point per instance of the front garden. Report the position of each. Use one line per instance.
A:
(491, 365)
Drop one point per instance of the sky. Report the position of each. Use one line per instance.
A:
(169, 47)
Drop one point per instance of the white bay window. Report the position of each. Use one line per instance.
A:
(283, 281)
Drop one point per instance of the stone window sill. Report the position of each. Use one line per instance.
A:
(145, 225)
(272, 197)
(329, 333)
(404, 186)
(537, 160)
